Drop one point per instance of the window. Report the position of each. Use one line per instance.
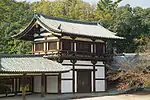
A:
(66, 45)
(52, 45)
(39, 47)
(83, 47)
(99, 49)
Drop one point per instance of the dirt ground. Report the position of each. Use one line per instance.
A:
(135, 96)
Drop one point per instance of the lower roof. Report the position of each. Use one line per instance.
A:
(29, 64)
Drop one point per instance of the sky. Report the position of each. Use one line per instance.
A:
(133, 3)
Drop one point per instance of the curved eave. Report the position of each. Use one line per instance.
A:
(25, 31)
(22, 35)
(96, 37)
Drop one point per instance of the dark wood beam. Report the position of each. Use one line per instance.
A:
(59, 83)
(23, 88)
(43, 85)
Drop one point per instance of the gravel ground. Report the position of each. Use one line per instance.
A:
(137, 96)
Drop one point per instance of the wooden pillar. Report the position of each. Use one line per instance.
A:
(73, 74)
(73, 64)
(46, 45)
(33, 48)
(59, 83)
(16, 86)
(43, 85)
(23, 88)
(94, 62)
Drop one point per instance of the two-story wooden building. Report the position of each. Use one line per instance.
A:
(75, 44)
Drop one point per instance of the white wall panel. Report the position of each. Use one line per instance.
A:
(100, 85)
(39, 39)
(66, 86)
(52, 84)
(99, 63)
(75, 81)
(37, 83)
(66, 62)
(100, 73)
(83, 67)
(67, 75)
(92, 80)
(84, 62)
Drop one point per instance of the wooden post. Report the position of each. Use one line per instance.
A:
(23, 88)
(43, 85)
(59, 83)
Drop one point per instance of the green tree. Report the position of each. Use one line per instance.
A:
(73, 9)
(15, 16)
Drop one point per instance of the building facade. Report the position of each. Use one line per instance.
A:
(78, 45)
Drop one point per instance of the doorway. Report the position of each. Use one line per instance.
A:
(83, 81)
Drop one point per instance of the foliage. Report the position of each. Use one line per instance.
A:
(133, 72)
(74, 9)
(15, 15)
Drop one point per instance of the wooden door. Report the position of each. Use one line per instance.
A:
(84, 81)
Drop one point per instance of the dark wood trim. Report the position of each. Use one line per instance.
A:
(83, 65)
(100, 78)
(23, 87)
(85, 69)
(94, 86)
(46, 45)
(43, 85)
(32, 83)
(13, 85)
(16, 86)
(59, 83)
(67, 79)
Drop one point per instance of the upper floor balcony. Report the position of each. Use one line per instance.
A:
(68, 49)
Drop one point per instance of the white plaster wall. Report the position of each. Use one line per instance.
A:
(83, 67)
(92, 48)
(75, 81)
(52, 84)
(37, 83)
(99, 63)
(39, 39)
(66, 86)
(51, 38)
(100, 85)
(66, 62)
(67, 75)
(100, 73)
(45, 44)
(84, 62)
(92, 80)
(75, 46)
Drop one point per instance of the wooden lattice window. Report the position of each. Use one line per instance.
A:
(52, 45)
(66, 45)
(39, 47)
(100, 49)
(83, 47)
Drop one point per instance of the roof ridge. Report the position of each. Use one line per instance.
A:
(66, 19)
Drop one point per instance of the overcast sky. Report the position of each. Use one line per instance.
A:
(133, 3)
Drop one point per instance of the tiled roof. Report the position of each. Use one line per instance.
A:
(68, 26)
(77, 27)
(29, 64)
